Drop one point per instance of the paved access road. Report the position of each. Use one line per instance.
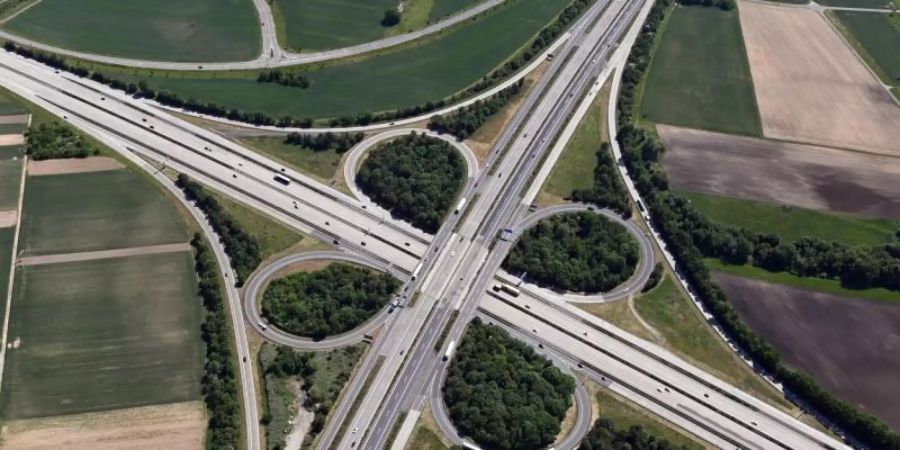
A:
(260, 279)
(272, 55)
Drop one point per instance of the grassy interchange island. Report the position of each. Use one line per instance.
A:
(417, 178)
(326, 302)
(581, 252)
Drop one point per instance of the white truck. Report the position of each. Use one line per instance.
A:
(449, 352)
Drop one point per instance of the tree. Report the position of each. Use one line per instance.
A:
(391, 17)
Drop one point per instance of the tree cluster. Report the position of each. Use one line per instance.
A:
(219, 384)
(56, 141)
(725, 5)
(604, 435)
(465, 121)
(502, 394)
(581, 252)
(690, 236)
(391, 17)
(326, 302)
(284, 79)
(415, 177)
(242, 249)
(654, 278)
(608, 191)
(339, 142)
(143, 90)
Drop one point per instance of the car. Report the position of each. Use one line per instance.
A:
(245, 359)
(355, 429)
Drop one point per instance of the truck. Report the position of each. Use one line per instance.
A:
(282, 180)
(415, 273)
(503, 287)
(449, 352)
(459, 207)
(506, 234)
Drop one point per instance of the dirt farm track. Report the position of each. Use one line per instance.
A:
(806, 176)
(811, 86)
(849, 345)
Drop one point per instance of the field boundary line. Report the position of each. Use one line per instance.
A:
(12, 269)
(103, 254)
(17, 13)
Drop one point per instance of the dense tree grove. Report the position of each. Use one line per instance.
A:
(606, 436)
(502, 394)
(545, 37)
(608, 191)
(415, 177)
(284, 79)
(219, 384)
(691, 236)
(581, 252)
(242, 249)
(327, 302)
(55, 141)
(465, 121)
(340, 142)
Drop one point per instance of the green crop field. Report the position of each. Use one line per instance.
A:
(326, 24)
(10, 176)
(9, 105)
(10, 152)
(813, 284)
(6, 243)
(162, 30)
(12, 128)
(793, 223)
(699, 76)
(103, 334)
(444, 8)
(878, 40)
(96, 211)
(430, 70)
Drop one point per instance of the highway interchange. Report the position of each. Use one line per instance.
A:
(456, 267)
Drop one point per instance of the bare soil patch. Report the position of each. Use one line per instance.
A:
(8, 218)
(793, 174)
(811, 86)
(11, 139)
(845, 343)
(178, 426)
(66, 166)
(14, 119)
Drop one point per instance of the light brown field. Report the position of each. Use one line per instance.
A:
(65, 166)
(12, 139)
(104, 254)
(14, 119)
(811, 87)
(807, 176)
(178, 426)
(8, 218)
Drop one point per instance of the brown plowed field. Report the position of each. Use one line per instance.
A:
(849, 345)
(178, 426)
(811, 86)
(64, 166)
(793, 174)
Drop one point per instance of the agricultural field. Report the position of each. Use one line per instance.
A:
(176, 426)
(7, 235)
(326, 24)
(444, 8)
(162, 30)
(843, 342)
(805, 176)
(792, 223)
(860, 3)
(122, 332)
(810, 85)
(877, 37)
(699, 76)
(10, 178)
(110, 209)
(409, 75)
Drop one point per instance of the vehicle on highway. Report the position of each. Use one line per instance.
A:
(263, 326)
(282, 180)
(506, 234)
(503, 287)
(460, 206)
(415, 273)
(449, 352)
